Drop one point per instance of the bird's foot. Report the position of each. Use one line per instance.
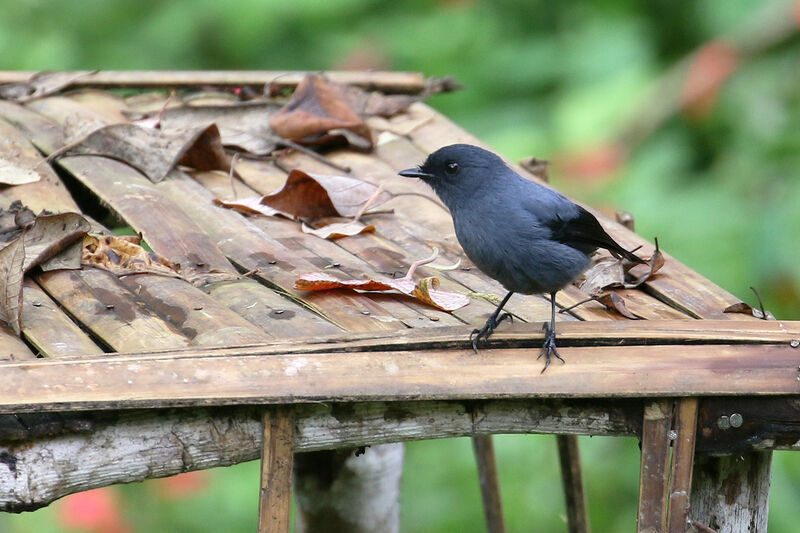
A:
(486, 331)
(549, 346)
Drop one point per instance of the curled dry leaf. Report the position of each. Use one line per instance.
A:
(746, 309)
(47, 237)
(426, 290)
(122, 255)
(612, 273)
(317, 107)
(243, 125)
(14, 174)
(306, 195)
(151, 151)
(317, 197)
(614, 302)
(337, 230)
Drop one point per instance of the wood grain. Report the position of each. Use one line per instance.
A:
(277, 458)
(403, 82)
(222, 377)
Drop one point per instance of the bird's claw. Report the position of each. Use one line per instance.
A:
(486, 331)
(549, 347)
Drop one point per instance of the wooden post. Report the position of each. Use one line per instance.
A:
(569, 455)
(685, 428)
(655, 460)
(489, 482)
(277, 454)
(731, 493)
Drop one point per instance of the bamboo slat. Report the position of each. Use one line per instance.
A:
(401, 82)
(202, 319)
(110, 312)
(685, 426)
(654, 478)
(46, 327)
(277, 459)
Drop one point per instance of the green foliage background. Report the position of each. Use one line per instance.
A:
(722, 192)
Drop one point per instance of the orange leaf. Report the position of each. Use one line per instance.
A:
(426, 290)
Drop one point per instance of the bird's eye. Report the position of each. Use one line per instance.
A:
(451, 167)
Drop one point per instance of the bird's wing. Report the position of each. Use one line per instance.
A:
(582, 231)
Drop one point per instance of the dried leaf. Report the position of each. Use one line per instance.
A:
(41, 84)
(607, 273)
(314, 196)
(49, 235)
(11, 274)
(154, 152)
(426, 290)
(317, 107)
(746, 309)
(337, 230)
(614, 302)
(244, 126)
(653, 265)
(13, 174)
(375, 103)
(122, 255)
(251, 206)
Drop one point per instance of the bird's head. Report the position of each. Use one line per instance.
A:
(457, 167)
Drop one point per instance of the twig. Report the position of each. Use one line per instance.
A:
(409, 275)
(234, 160)
(760, 303)
(573, 306)
(369, 202)
(429, 198)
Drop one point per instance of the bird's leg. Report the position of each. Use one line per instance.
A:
(494, 319)
(549, 347)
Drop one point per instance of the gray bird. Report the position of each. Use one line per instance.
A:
(528, 237)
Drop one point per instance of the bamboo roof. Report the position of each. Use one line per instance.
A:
(93, 339)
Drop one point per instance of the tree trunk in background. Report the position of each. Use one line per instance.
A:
(349, 491)
(731, 493)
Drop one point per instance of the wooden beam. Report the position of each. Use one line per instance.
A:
(489, 482)
(654, 478)
(572, 479)
(277, 458)
(223, 376)
(731, 493)
(158, 443)
(400, 82)
(685, 428)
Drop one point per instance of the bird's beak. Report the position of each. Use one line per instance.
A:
(415, 173)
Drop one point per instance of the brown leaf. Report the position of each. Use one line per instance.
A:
(122, 255)
(375, 103)
(337, 230)
(314, 196)
(317, 107)
(11, 274)
(251, 206)
(244, 126)
(614, 302)
(746, 309)
(14, 174)
(426, 290)
(40, 84)
(48, 236)
(154, 152)
(653, 265)
(605, 274)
